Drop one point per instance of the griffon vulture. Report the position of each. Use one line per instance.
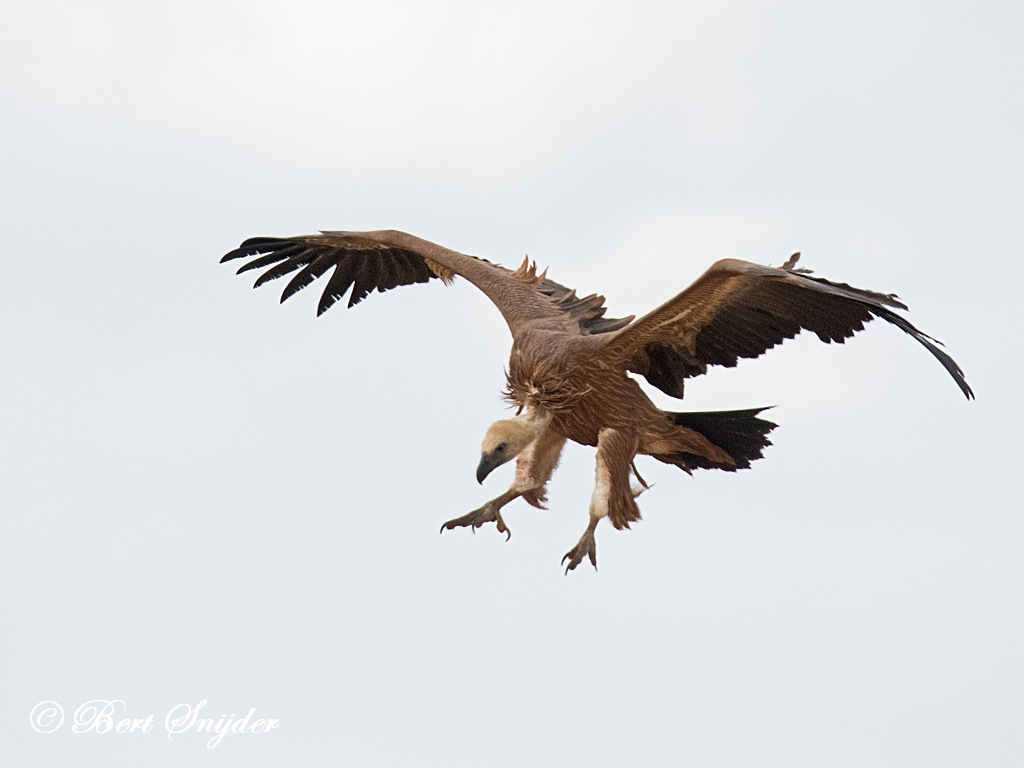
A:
(569, 366)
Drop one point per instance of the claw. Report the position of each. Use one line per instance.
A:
(488, 513)
(502, 528)
(586, 546)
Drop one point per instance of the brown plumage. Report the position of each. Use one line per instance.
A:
(569, 366)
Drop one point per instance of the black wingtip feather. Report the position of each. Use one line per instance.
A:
(252, 247)
(307, 275)
(932, 345)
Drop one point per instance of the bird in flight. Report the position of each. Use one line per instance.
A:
(569, 369)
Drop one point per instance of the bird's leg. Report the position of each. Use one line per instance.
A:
(535, 466)
(613, 497)
(587, 545)
(488, 513)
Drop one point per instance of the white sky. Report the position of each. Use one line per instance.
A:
(206, 495)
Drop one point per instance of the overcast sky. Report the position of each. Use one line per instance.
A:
(208, 496)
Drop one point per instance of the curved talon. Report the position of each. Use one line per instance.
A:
(488, 513)
(586, 546)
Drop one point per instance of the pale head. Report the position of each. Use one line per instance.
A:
(506, 439)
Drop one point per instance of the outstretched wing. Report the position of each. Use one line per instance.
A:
(739, 310)
(386, 259)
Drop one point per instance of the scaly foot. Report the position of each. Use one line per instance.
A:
(587, 546)
(488, 513)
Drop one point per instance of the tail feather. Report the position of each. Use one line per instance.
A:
(739, 433)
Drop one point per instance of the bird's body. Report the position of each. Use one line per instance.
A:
(569, 367)
(569, 379)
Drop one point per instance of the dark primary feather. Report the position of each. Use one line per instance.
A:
(932, 345)
(359, 265)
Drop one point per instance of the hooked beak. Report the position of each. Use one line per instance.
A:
(487, 464)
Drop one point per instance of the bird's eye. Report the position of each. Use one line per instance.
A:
(501, 447)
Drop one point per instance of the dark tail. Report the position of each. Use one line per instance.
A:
(739, 433)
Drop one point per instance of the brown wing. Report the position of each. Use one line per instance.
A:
(382, 260)
(739, 310)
